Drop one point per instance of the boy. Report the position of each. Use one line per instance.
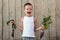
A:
(29, 23)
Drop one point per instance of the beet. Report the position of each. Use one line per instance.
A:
(41, 34)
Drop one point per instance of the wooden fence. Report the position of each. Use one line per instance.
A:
(13, 9)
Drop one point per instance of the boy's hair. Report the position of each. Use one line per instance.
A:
(27, 4)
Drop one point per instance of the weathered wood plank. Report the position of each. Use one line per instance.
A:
(12, 14)
(58, 19)
(22, 6)
(52, 6)
(44, 12)
(18, 21)
(12, 9)
(5, 19)
(37, 14)
(0, 19)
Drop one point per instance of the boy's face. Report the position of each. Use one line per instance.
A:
(28, 10)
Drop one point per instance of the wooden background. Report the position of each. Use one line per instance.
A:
(13, 9)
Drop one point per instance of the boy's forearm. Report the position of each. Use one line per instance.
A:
(37, 28)
(40, 28)
(20, 27)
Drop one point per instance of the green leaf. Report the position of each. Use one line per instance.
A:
(8, 22)
(47, 21)
(14, 26)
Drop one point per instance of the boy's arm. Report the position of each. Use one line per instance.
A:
(40, 28)
(35, 25)
(20, 27)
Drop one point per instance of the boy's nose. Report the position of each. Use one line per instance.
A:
(29, 10)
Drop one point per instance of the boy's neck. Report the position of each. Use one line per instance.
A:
(28, 15)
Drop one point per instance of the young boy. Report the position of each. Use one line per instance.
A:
(29, 23)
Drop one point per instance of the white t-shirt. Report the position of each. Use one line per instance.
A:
(28, 27)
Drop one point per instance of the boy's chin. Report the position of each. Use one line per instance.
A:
(29, 15)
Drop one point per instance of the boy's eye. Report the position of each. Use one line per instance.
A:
(29, 9)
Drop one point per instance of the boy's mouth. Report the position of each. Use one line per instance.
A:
(29, 12)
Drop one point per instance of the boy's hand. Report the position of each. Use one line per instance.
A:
(11, 21)
(42, 27)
